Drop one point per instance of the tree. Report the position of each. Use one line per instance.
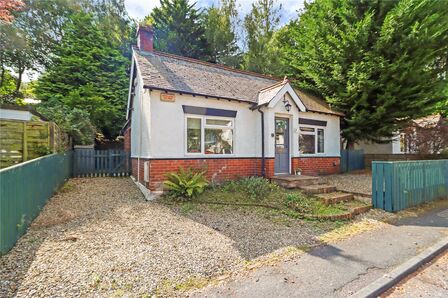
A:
(378, 62)
(88, 73)
(260, 25)
(178, 29)
(29, 42)
(220, 33)
(6, 9)
(7, 87)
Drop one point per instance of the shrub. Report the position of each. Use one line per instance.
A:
(298, 203)
(186, 183)
(256, 188)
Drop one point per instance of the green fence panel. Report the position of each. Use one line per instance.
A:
(352, 160)
(24, 190)
(402, 184)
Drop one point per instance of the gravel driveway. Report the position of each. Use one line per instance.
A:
(353, 182)
(98, 237)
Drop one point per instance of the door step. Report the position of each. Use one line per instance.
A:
(295, 181)
(335, 197)
(318, 188)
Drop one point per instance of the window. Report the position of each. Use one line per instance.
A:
(194, 135)
(208, 135)
(311, 140)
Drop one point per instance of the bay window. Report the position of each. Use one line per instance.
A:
(311, 140)
(209, 135)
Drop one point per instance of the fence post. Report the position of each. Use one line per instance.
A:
(25, 143)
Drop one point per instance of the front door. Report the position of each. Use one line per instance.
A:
(281, 165)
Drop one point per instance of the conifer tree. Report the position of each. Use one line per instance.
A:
(378, 62)
(89, 73)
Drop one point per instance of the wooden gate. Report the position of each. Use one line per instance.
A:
(88, 162)
(352, 160)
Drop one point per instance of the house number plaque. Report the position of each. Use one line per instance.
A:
(167, 97)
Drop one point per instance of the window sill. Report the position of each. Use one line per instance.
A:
(202, 155)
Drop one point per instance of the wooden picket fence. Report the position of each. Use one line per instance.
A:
(397, 185)
(88, 162)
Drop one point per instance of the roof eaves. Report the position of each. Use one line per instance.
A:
(196, 94)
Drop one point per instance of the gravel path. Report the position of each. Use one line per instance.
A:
(98, 237)
(356, 183)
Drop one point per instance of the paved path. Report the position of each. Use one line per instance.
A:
(341, 269)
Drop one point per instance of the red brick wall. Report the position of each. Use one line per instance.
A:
(127, 139)
(221, 169)
(218, 169)
(316, 165)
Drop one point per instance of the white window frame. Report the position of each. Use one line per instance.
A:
(316, 139)
(203, 127)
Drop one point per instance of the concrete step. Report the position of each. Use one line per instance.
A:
(318, 188)
(335, 197)
(295, 181)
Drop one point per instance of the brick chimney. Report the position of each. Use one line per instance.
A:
(145, 38)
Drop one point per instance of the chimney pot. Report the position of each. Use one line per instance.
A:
(145, 38)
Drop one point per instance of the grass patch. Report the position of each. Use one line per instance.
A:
(67, 187)
(348, 231)
(264, 198)
(188, 208)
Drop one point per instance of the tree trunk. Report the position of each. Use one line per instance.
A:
(2, 78)
(19, 79)
(350, 145)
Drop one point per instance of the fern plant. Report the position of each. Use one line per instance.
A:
(186, 184)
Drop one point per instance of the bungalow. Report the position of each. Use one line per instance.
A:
(184, 112)
(426, 135)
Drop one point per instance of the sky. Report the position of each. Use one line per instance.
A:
(140, 8)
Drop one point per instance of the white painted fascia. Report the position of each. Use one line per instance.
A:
(134, 64)
(287, 89)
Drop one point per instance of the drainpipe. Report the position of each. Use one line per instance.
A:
(263, 168)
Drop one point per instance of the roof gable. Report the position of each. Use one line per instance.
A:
(286, 88)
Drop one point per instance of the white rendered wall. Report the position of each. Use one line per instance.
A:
(140, 122)
(376, 148)
(332, 133)
(161, 133)
(168, 126)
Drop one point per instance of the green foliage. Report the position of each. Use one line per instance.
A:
(88, 73)
(257, 188)
(7, 87)
(178, 29)
(75, 122)
(186, 183)
(298, 203)
(379, 62)
(220, 23)
(260, 24)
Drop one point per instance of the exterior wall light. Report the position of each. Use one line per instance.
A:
(287, 104)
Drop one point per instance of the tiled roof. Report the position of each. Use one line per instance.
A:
(163, 71)
(265, 95)
(430, 121)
